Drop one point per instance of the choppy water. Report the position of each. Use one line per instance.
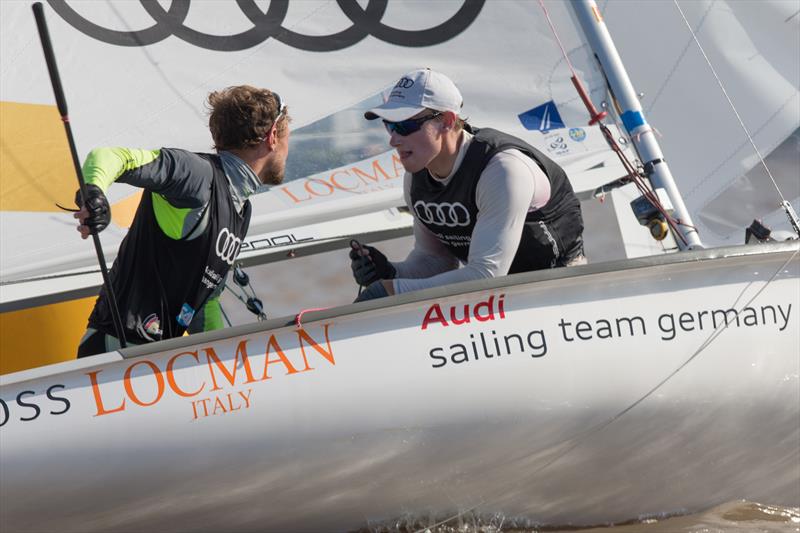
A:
(731, 517)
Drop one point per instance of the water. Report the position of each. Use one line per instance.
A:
(731, 517)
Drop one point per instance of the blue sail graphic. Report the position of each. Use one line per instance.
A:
(542, 118)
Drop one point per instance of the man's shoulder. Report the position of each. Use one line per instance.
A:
(186, 162)
(508, 173)
(495, 137)
(182, 153)
(510, 160)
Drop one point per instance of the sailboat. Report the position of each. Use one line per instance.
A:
(660, 383)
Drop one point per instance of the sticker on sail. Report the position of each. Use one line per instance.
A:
(556, 143)
(577, 134)
(542, 118)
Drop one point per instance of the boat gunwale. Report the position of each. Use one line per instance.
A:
(467, 287)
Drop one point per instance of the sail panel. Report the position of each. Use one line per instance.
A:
(147, 79)
(753, 49)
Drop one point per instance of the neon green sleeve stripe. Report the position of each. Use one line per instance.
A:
(104, 165)
(170, 218)
(213, 315)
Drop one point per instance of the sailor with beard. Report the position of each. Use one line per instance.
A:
(191, 220)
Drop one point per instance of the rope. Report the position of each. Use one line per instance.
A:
(225, 315)
(733, 107)
(253, 303)
(298, 319)
(634, 175)
(558, 40)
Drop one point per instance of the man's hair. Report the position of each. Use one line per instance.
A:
(242, 116)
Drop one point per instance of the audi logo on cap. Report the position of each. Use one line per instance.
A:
(228, 246)
(405, 83)
(443, 214)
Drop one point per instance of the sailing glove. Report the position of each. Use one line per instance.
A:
(97, 206)
(376, 290)
(370, 268)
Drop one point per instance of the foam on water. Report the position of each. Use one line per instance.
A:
(731, 517)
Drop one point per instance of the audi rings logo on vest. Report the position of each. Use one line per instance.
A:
(443, 214)
(366, 20)
(228, 246)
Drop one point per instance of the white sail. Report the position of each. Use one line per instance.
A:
(151, 96)
(753, 47)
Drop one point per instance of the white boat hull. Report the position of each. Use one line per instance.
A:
(613, 392)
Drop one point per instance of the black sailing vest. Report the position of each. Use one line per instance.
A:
(551, 236)
(160, 282)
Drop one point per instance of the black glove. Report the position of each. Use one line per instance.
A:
(370, 268)
(97, 206)
(376, 290)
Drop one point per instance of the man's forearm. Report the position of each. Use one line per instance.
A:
(103, 166)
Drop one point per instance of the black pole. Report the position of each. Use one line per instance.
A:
(61, 102)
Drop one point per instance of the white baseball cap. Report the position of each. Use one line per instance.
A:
(419, 89)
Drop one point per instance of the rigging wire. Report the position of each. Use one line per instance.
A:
(248, 295)
(225, 315)
(635, 175)
(786, 205)
(558, 39)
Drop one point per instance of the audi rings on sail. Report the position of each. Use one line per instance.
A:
(366, 21)
(442, 214)
(228, 246)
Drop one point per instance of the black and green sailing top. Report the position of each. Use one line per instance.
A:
(189, 224)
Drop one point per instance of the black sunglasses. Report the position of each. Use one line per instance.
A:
(408, 126)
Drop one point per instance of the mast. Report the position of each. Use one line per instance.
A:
(643, 136)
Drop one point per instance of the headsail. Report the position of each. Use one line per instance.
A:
(753, 48)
